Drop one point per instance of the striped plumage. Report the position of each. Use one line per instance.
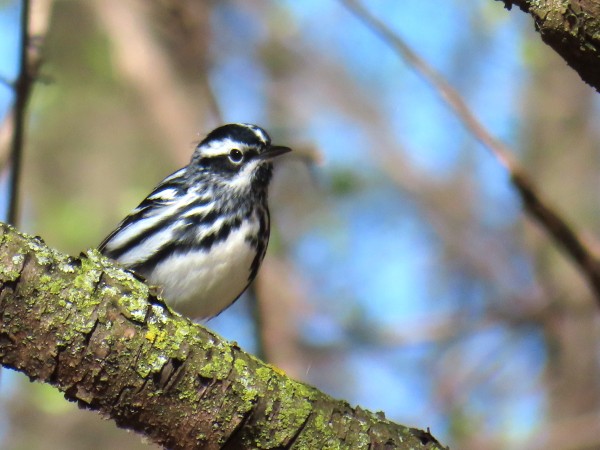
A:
(202, 233)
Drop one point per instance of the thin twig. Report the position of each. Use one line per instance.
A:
(258, 319)
(559, 230)
(22, 90)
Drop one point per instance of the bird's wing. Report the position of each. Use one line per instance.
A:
(162, 198)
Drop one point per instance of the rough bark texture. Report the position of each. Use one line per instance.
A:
(572, 29)
(104, 339)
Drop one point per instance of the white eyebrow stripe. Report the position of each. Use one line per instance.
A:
(220, 147)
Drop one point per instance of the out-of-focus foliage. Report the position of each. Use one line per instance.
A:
(402, 275)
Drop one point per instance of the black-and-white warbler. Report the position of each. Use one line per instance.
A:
(202, 233)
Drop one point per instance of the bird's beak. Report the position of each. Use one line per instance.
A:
(273, 151)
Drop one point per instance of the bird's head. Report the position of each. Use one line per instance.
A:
(238, 155)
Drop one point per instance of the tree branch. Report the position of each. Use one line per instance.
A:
(571, 28)
(105, 340)
(558, 228)
(32, 29)
(22, 90)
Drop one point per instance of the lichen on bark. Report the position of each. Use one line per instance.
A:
(108, 342)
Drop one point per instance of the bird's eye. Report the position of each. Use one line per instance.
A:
(236, 156)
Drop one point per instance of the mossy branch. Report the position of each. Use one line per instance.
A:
(105, 340)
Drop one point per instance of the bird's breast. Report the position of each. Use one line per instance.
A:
(211, 278)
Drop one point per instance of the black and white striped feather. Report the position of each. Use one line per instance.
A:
(202, 233)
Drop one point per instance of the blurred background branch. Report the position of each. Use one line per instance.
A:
(539, 209)
(33, 23)
(22, 88)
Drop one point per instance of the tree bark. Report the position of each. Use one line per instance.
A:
(106, 340)
(572, 29)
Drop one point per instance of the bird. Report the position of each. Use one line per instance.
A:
(201, 235)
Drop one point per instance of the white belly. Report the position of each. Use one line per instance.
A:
(210, 280)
